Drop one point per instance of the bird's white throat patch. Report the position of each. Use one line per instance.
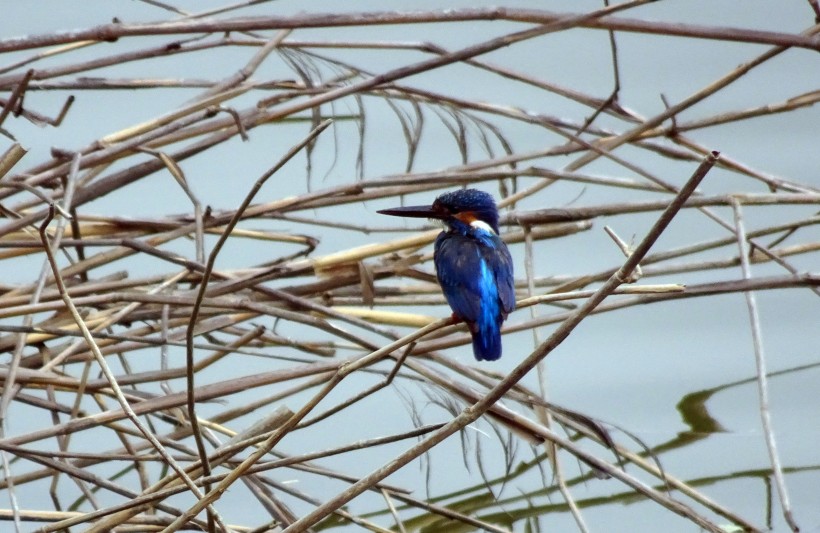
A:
(481, 225)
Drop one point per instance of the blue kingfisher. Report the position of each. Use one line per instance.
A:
(473, 265)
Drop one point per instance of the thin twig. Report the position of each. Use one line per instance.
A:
(762, 379)
(107, 371)
(189, 337)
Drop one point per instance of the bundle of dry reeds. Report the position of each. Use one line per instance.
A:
(286, 299)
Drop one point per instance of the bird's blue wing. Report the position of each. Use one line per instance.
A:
(499, 260)
(459, 260)
(475, 274)
(458, 268)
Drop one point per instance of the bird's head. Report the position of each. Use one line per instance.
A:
(468, 206)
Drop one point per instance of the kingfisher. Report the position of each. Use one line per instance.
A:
(473, 265)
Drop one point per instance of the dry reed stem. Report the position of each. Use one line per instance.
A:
(191, 403)
(111, 32)
(760, 363)
(106, 370)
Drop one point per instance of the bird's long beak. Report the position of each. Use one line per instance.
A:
(415, 211)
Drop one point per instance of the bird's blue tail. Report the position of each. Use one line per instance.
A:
(487, 343)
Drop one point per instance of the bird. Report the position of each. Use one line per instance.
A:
(473, 265)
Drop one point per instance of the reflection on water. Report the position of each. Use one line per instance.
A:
(505, 502)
